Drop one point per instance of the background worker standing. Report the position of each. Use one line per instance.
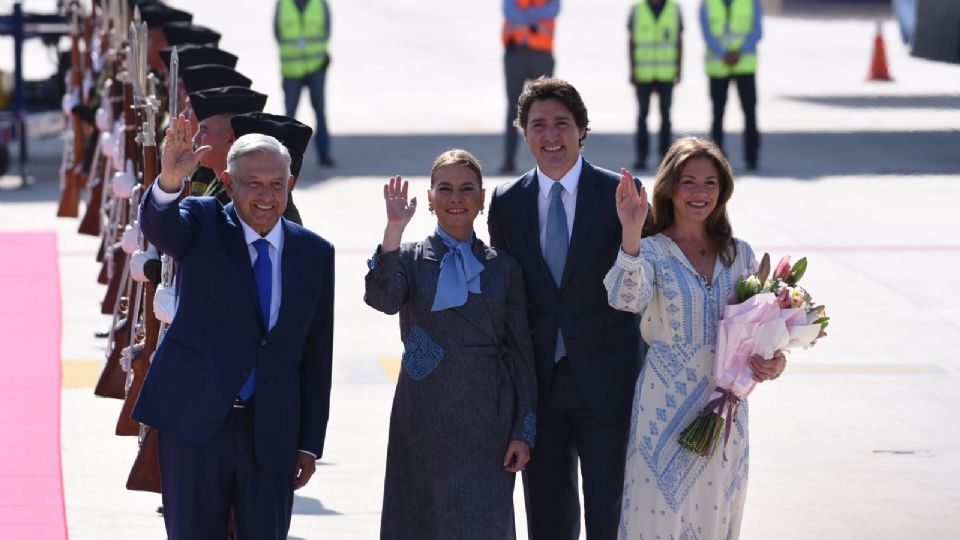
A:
(731, 29)
(528, 27)
(302, 28)
(655, 53)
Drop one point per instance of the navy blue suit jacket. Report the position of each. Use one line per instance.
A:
(219, 335)
(602, 343)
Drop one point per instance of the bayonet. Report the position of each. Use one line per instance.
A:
(174, 91)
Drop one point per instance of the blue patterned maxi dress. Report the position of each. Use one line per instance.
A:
(670, 492)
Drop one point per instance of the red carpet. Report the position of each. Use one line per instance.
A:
(31, 487)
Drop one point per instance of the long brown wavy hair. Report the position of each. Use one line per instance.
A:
(717, 223)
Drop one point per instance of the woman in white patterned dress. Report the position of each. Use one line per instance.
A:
(678, 278)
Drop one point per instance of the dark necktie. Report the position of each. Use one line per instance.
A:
(263, 275)
(555, 247)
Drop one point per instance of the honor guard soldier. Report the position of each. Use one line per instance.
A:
(214, 108)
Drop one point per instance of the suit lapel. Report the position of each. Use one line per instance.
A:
(588, 201)
(239, 254)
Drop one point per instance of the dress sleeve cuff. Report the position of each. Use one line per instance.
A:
(628, 263)
(309, 453)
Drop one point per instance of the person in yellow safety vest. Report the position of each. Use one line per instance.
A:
(527, 36)
(732, 29)
(655, 29)
(302, 29)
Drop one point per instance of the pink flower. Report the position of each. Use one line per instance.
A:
(783, 268)
(783, 299)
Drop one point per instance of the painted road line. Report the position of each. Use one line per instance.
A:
(81, 373)
(391, 365)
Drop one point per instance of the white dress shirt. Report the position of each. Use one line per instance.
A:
(570, 182)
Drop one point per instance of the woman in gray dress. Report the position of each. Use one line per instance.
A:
(463, 416)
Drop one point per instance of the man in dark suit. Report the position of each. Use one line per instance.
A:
(560, 222)
(239, 389)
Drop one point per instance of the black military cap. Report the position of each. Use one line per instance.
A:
(291, 133)
(195, 55)
(207, 76)
(226, 100)
(156, 15)
(179, 33)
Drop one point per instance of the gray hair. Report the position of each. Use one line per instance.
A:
(256, 143)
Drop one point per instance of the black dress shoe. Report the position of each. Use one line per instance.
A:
(507, 167)
(640, 164)
(326, 161)
(751, 164)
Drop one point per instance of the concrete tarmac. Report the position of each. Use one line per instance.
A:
(857, 440)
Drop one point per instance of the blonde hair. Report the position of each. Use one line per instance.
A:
(456, 156)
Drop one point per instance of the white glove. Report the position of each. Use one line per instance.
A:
(69, 101)
(130, 241)
(103, 120)
(123, 182)
(118, 145)
(165, 303)
(106, 140)
(137, 262)
(126, 358)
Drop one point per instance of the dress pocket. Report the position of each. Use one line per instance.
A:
(421, 355)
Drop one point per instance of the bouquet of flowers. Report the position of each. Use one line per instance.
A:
(766, 316)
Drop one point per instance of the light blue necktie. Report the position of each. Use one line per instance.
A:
(263, 275)
(555, 248)
(459, 273)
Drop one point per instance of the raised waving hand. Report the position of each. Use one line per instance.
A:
(632, 209)
(400, 210)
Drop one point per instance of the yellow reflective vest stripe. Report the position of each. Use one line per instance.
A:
(655, 43)
(303, 38)
(731, 27)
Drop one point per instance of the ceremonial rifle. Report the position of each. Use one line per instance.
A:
(113, 379)
(129, 151)
(146, 104)
(71, 170)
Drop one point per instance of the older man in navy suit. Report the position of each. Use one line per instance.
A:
(560, 222)
(239, 390)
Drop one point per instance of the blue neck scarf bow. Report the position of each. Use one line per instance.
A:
(459, 273)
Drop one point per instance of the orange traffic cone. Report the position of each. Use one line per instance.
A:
(878, 65)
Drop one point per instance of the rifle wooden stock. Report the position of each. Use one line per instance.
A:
(113, 287)
(145, 473)
(69, 204)
(112, 382)
(140, 364)
(91, 223)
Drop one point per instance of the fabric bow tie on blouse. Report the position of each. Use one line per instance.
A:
(459, 273)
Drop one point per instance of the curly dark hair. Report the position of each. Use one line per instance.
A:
(558, 89)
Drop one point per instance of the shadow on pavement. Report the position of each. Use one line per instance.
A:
(801, 155)
(311, 507)
(941, 101)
